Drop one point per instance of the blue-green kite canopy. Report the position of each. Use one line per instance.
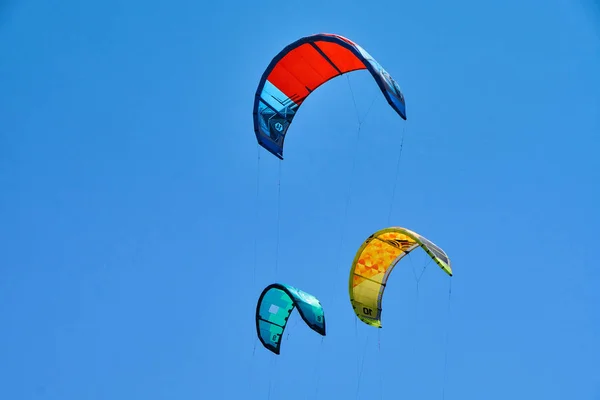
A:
(276, 303)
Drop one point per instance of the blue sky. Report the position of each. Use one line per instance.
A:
(134, 242)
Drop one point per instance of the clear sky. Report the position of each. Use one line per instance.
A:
(134, 243)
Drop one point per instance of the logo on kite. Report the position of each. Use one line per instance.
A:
(277, 127)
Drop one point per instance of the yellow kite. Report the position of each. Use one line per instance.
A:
(373, 263)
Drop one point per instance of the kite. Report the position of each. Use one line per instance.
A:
(298, 70)
(374, 261)
(276, 303)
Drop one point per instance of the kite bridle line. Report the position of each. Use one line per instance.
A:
(397, 173)
(256, 213)
(379, 358)
(360, 364)
(278, 216)
(447, 338)
(252, 364)
(349, 191)
(448, 317)
(318, 367)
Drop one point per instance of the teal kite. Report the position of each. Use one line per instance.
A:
(276, 303)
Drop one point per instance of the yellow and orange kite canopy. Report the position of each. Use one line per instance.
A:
(374, 261)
